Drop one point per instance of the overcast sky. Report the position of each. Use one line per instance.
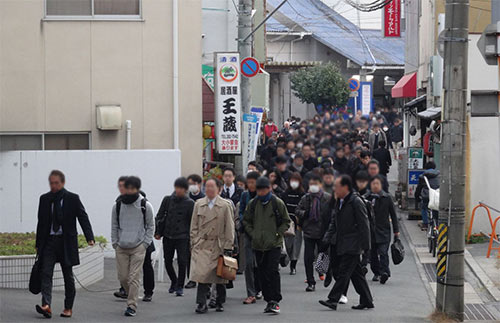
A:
(369, 20)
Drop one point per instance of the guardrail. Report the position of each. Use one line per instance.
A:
(493, 225)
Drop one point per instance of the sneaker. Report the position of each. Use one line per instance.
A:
(376, 278)
(322, 277)
(201, 309)
(219, 308)
(259, 295)
(179, 292)
(275, 308)
(172, 289)
(343, 299)
(147, 298)
(212, 304)
(121, 294)
(130, 312)
(310, 288)
(293, 271)
(383, 278)
(190, 284)
(268, 308)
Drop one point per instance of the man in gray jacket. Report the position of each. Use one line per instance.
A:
(132, 229)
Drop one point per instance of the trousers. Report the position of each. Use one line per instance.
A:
(204, 289)
(379, 258)
(269, 274)
(309, 256)
(252, 281)
(293, 245)
(170, 246)
(129, 265)
(53, 251)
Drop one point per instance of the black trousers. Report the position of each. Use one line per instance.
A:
(53, 251)
(379, 258)
(148, 272)
(204, 289)
(309, 256)
(334, 268)
(170, 246)
(269, 274)
(350, 269)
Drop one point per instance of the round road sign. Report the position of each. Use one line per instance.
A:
(353, 84)
(250, 67)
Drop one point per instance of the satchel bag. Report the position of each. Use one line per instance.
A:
(227, 267)
(35, 284)
(290, 232)
(433, 196)
(322, 263)
(397, 252)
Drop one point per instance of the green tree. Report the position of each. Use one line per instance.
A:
(321, 85)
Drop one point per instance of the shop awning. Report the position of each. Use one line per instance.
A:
(430, 113)
(416, 102)
(406, 87)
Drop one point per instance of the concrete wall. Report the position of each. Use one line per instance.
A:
(484, 165)
(481, 76)
(220, 28)
(54, 73)
(91, 174)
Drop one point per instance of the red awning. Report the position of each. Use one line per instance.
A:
(406, 87)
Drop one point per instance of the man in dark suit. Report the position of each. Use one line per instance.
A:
(57, 240)
(349, 234)
(383, 156)
(230, 191)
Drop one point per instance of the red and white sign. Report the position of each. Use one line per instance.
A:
(250, 67)
(392, 19)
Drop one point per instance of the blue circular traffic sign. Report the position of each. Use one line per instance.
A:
(353, 84)
(250, 67)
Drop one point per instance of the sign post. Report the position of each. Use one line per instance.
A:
(250, 67)
(354, 87)
(227, 103)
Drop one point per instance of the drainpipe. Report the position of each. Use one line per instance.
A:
(175, 37)
(128, 130)
(302, 34)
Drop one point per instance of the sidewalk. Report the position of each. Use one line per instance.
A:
(482, 275)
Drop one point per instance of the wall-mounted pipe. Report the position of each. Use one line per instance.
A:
(128, 130)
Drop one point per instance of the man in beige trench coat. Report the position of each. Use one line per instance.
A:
(212, 235)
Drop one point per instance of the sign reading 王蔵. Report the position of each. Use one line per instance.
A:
(227, 103)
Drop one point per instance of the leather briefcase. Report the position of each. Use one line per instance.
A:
(227, 267)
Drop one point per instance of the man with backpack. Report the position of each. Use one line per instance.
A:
(266, 219)
(132, 228)
(173, 223)
(148, 278)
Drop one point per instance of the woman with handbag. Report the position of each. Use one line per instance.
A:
(293, 242)
(212, 236)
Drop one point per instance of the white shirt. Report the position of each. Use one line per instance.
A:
(211, 203)
(341, 201)
(232, 188)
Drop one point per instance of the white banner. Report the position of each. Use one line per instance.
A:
(259, 112)
(249, 138)
(227, 103)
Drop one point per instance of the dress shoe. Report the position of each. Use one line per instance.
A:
(376, 278)
(362, 306)
(67, 313)
(329, 303)
(190, 284)
(310, 288)
(44, 310)
(201, 309)
(250, 300)
(219, 308)
(383, 278)
(121, 294)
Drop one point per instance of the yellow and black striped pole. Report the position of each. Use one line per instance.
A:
(442, 247)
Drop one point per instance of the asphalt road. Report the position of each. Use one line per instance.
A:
(402, 299)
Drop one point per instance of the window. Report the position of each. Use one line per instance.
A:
(20, 142)
(66, 142)
(49, 141)
(92, 8)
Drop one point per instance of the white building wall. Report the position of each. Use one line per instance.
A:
(91, 174)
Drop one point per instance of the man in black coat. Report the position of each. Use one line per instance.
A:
(383, 215)
(57, 240)
(349, 234)
(383, 156)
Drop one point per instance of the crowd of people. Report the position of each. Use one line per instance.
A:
(319, 183)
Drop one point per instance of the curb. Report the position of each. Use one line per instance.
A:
(481, 275)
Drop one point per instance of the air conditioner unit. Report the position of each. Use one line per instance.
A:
(109, 117)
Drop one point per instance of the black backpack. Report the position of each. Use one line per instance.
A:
(143, 209)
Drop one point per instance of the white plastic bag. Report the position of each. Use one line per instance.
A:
(433, 197)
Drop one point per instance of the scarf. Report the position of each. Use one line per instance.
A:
(266, 198)
(130, 198)
(56, 212)
(315, 206)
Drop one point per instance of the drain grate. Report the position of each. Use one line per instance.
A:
(430, 271)
(478, 312)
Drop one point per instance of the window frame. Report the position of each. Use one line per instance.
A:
(42, 135)
(93, 16)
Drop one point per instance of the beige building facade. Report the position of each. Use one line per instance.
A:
(62, 59)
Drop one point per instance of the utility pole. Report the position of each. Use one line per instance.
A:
(245, 48)
(451, 242)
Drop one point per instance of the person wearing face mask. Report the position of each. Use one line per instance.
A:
(291, 197)
(270, 127)
(194, 188)
(131, 234)
(313, 213)
(173, 222)
(384, 215)
(266, 219)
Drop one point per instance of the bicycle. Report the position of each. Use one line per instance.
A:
(432, 232)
